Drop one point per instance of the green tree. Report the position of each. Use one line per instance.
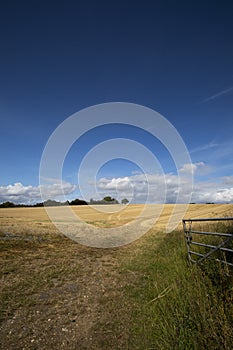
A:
(109, 199)
(7, 205)
(124, 201)
(78, 202)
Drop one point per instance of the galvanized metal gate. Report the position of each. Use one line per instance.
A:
(207, 244)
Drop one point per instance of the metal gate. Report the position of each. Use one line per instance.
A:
(207, 244)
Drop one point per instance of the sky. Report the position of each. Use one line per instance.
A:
(175, 57)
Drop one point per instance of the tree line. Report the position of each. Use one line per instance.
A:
(53, 203)
(48, 203)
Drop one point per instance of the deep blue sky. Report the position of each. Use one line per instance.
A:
(175, 57)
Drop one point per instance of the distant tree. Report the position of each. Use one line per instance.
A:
(51, 203)
(7, 205)
(41, 204)
(78, 202)
(105, 200)
(108, 199)
(125, 201)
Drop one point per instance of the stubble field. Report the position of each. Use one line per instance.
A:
(56, 293)
(36, 220)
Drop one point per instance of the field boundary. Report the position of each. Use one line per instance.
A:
(222, 248)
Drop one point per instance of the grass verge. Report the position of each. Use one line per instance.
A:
(176, 305)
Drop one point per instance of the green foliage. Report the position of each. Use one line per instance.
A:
(7, 205)
(110, 200)
(105, 200)
(52, 203)
(47, 203)
(124, 201)
(177, 305)
(78, 202)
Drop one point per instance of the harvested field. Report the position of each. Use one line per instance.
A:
(58, 294)
(26, 220)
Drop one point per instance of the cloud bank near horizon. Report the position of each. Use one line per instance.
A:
(163, 188)
(19, 193)
(203, 192)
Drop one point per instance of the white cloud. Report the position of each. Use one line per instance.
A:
(212, 192)
(135, 188)
(162, 188)
(115, 183)
(199, 168)
(18, 193)
(188, 168)
(154, 188)
(137, 172)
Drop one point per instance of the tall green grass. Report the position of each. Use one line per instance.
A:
(177, 305)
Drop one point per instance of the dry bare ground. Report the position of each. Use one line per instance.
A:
(58, 294)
